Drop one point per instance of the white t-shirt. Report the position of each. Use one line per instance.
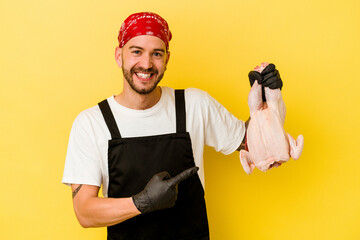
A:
(207, 122)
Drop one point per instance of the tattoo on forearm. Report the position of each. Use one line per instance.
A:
(76, 191)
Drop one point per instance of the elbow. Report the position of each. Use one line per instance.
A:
(83, 220)
(85, 223)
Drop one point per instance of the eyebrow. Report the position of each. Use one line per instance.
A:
(156, 49)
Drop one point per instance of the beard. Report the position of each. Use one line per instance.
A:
(142, 90)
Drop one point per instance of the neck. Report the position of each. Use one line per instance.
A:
(133, 100)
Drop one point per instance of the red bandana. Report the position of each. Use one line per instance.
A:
(144, 23)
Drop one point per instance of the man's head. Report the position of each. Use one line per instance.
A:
(143, 51)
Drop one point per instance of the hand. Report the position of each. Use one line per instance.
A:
(271, 77)
(254, 75)
(267, 76)
(161, 191)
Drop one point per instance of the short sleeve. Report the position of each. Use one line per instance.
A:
(82, 164)
(223, 131)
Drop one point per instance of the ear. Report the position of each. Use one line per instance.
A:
(167, 57)
(118, 56)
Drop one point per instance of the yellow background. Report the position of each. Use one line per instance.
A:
(57, 59)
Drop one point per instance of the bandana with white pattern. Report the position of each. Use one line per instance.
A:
(144, 23)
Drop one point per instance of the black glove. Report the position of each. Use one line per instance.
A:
(269, 77)
(161, 191)
(254, 75)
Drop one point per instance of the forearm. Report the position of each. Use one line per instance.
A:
(93, 211)
(159, 193)
(101, 212)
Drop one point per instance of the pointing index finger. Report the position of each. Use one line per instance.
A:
(183, 175)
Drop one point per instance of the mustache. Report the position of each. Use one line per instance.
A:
(140, 69)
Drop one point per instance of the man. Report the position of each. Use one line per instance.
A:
(145, 145)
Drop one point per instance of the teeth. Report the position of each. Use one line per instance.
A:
(143, 75)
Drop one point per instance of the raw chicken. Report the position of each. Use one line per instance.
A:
(268, 144)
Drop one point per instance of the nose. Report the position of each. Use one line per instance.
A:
(146, 61)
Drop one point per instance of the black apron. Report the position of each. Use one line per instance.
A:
(132, 163)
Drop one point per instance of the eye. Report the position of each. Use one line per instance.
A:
(157, 54)
(136, 52)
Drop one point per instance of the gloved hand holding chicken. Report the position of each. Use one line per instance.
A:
(267, 143)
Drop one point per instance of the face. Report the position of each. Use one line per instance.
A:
(143, 60)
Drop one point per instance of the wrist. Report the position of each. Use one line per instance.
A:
(142, 202)
(132, 206)
(245, 137)
(243, 145)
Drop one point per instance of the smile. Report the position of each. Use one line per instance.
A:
(144, 76)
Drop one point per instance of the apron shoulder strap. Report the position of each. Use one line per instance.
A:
(109, 119)
(180, 111)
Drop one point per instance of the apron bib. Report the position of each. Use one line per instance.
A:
(133, 161)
